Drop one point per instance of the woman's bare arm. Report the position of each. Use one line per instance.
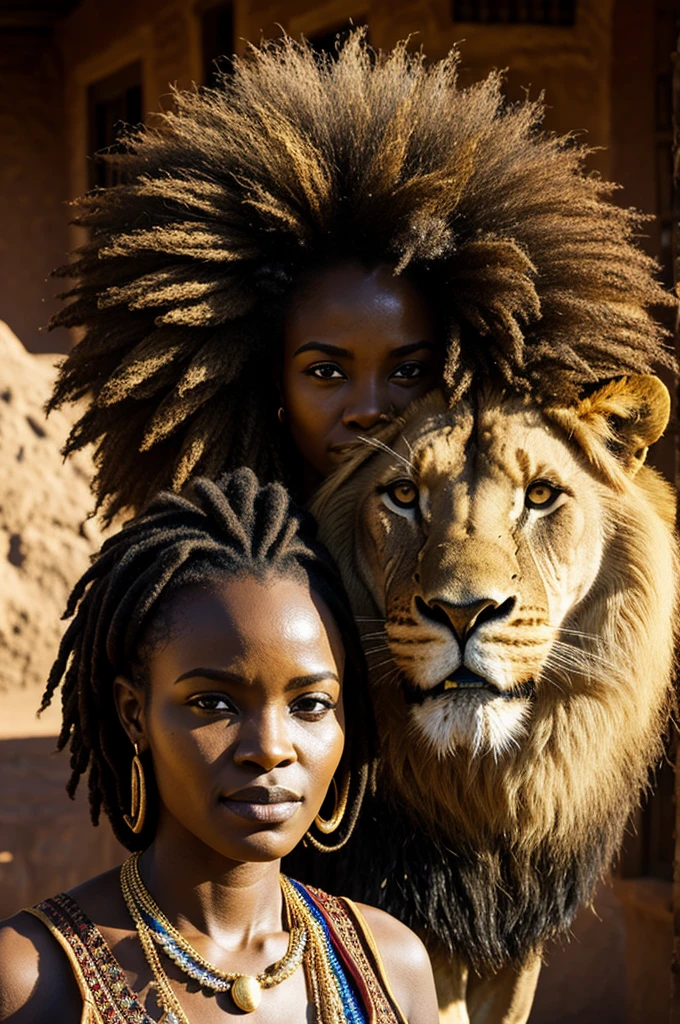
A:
(36, 981)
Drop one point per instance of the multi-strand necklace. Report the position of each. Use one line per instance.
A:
(309, 943)
(154, 928)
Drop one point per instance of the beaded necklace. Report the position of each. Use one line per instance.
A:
(151, 922)
(309, 943)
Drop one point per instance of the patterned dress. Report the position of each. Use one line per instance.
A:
(108, 999)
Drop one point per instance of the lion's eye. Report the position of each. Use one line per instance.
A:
(403, 493)
(540, 494)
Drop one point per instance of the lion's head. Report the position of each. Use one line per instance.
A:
(514, 572)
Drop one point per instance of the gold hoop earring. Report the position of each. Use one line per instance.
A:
(331, 824)
(135, 821)
(281, 414)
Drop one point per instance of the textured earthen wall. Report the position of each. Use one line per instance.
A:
(46, 541)
(572, 65)
(47, 843)
(33, 188)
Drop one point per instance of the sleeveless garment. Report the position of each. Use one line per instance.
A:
(108, 999)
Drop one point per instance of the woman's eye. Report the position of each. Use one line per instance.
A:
(312, 707)
(403, 493)
(540, 494)
(325, 371)
(212, 702)
(410, 371)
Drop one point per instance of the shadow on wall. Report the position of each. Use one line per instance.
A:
(616, 967)
(47, 842)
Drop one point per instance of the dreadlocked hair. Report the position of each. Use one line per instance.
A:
(211, 531)
(298, 161)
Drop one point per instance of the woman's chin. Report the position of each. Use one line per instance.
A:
(256, 841)
(261, 847)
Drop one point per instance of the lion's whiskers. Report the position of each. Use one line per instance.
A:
(579, 657)
(377, 443)
(387, 661)
(578, 632)
(392, 673)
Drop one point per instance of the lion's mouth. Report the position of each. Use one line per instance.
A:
(465, 682)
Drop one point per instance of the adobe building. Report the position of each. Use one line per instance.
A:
(71, 71)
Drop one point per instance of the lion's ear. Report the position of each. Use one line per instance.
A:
(615, 425)
(627, 415)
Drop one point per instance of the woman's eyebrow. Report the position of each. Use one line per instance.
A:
(320, 346)
(299, 682)
(219, 674)
(406, 350)
(222, 675)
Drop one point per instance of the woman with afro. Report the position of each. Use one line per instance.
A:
(296, 255)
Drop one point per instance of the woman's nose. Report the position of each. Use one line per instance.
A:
(365, 408)
(266, 741)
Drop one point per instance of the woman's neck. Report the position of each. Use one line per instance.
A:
(235, 904)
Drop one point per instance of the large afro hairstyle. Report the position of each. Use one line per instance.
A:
(297, 161)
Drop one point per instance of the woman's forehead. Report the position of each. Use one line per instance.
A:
(258, 621)
(351, 289)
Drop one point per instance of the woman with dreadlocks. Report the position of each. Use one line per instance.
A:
(326, 239)
(212, 647)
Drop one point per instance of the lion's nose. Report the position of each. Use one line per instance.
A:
(464, 619)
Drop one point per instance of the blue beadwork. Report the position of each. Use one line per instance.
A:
(353, 1012)
(186, 962)
(351, 1007)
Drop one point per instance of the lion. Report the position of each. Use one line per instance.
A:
(514, 571)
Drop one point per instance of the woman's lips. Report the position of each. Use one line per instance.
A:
(271, 813)
(272, 804)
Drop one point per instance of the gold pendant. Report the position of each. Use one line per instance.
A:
(246, 993)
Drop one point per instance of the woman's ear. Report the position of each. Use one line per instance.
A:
(130, 708)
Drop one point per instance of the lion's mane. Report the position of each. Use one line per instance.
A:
(490, 857)
(296, 161)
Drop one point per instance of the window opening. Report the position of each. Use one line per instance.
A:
(114, 103)
(217, 42)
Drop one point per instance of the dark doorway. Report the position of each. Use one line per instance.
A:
(217, 42)
(113, 103)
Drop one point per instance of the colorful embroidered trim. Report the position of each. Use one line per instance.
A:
(350, 1004)
(115, 1001)
(348, 937)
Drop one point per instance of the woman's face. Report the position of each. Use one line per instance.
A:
(359, 346)
(244, 716)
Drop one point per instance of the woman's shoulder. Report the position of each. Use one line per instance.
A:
(406, 963)
(100, 899)
(36, 981)
(397, 944)
(392, 937)
(36, 978)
